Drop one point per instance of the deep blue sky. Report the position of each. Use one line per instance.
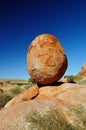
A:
(22, 20)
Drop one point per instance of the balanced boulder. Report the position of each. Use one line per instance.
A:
(46, 60)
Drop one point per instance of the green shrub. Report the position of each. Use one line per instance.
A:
(30, 83)
(15, 91)
(31, 80)
(54, 119)
(82, 82)
(72, 78)
(4, 98)
(80, 113)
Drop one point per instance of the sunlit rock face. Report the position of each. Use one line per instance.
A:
(83, 70)
(46, 60)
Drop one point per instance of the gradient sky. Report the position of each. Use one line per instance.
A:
(22, 20)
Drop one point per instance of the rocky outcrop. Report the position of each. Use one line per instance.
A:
(66, 93)
(64, 96)
(46, 60)
(13, 118)
(82, 72)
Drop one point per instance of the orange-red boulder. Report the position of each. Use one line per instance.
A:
(82, 72)
(46, 60)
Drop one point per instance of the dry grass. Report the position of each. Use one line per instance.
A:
(54, 119)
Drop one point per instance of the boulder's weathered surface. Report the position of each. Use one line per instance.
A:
(46, 60)
(68, 94)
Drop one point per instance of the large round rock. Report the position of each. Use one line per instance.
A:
(46, 60)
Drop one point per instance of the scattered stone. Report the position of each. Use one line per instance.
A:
(46, 60)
